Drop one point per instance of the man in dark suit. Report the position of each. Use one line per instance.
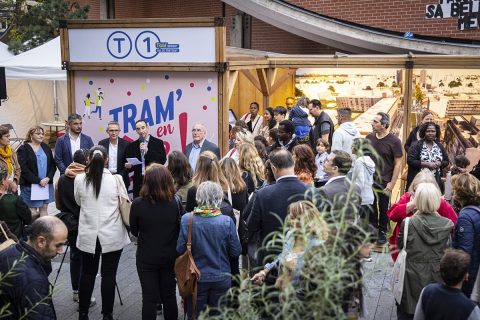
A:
(270, 206)
(199, 144)
(70, 142)
(148, 150)
(338, 187)
(115, 147)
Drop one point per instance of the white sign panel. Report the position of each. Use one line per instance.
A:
(182, 45)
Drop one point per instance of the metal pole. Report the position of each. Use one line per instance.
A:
(55, 100)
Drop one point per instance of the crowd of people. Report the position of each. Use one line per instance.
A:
(282, 172)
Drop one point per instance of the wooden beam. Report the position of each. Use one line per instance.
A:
(232, 80)
(281, 80)
(262, 77)
(248, 74)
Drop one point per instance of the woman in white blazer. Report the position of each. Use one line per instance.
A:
(100, 231)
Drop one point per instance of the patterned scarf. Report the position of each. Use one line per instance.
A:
(6, 153)
(206, 212)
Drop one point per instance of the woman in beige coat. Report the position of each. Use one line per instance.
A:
(100, 230)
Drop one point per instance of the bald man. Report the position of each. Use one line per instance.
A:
(199, 144)
(29, 289)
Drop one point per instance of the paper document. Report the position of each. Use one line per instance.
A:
(39, 192)
(134, 161)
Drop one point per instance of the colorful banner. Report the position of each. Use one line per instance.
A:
(170, 102)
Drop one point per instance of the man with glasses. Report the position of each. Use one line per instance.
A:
(199, 144)
(115, 147)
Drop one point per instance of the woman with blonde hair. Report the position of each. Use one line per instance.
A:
(466, 195)
(207, 169)
(237, 187)
(427, 238)
(38, 167)
(241, 137)
(306, 229)
(253, 169)
(405, 207)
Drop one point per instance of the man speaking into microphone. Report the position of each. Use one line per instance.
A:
(148, 150)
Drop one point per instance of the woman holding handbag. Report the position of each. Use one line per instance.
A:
(427, 238)
(155, 220)
(214, 242)
(101, 231)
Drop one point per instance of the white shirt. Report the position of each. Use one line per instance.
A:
(74, 144)
(257, 122)
(112, 157)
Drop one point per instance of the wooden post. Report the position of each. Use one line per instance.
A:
(407, 110)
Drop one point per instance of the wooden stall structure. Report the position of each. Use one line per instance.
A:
(170, 72)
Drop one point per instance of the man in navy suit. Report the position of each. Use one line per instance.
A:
(199, 144)
(115, 147)
(270, 206)
(148, 150)
(70, 142)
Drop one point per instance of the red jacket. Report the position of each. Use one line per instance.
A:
(398, 212)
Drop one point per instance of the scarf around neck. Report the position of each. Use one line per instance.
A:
(6, 153)
(206, 212)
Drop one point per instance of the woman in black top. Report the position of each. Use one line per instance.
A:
(237, 187)
(414, 136)
(155, 220)
(427, 153)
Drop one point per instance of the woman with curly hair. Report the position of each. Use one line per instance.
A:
(181, 172)
(305, 167)
(253, 170)
(466, 195)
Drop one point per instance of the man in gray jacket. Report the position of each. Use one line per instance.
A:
(345, 133)
(199, 144)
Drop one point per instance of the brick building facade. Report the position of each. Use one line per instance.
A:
(389, 15)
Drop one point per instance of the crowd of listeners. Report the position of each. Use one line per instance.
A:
(281, 169)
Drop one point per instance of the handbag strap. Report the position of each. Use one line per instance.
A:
(189, 241)
(3, 231)
(405, 233)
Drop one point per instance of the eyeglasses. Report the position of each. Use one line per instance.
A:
(113, 130)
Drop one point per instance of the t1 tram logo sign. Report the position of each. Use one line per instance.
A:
(147, 45)
(467, 12)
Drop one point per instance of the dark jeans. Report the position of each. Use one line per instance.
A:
(379, 218)
(75, 260)
(108, 272)
(209, 293)
(158, 281)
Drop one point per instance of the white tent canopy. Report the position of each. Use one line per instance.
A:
(4, 53)
(35, 83)
(41, 63)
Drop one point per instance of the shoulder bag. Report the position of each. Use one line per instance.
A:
(398, 272)
(124, 202)
(187, 273)
(8, 241)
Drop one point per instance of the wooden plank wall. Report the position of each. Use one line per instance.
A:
(245, 92)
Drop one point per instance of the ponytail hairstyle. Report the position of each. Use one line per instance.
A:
(94, 170)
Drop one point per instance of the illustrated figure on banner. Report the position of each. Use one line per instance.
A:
(99, 97)
(87, 102)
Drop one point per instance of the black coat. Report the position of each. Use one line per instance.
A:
(66, 197)
(414, 163)
(28, 164)
(122, 146)
(156, 154)
(270, 209)
(30, 285)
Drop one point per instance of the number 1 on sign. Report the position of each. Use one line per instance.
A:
(147, 41)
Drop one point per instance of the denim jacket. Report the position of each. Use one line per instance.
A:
(214, 241)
